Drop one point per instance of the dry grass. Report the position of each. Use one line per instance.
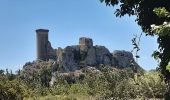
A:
(63, 97)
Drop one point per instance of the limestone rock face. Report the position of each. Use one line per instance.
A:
(59, 52)
(103, 56)
(51, 53)
(91, 57)
(85, 54)
(124, 58)
(114, 61)
(66, 59)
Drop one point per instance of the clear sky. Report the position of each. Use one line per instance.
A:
(67, 21)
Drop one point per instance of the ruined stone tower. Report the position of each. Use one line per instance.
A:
(42, 43)
(84, 41)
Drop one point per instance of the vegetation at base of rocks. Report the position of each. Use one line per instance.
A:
(109, 84)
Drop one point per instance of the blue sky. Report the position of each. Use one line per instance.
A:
(67, 21)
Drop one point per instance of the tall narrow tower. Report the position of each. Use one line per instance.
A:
(42, 42)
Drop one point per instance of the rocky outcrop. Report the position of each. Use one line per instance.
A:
(77, 57)
(30, 69)
(51, 53)
(91, 58)
(103, 55)
(124, 58)
(68, 61)
(85, 54)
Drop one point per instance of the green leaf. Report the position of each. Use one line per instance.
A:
(168, 68)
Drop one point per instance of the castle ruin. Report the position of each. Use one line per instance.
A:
(44, 49)
(77, 56)
(84, 41)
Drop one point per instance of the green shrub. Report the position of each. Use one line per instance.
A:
(81, 89)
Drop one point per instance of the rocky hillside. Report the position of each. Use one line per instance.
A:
(72, 59)
(85, 54)
(75, 57)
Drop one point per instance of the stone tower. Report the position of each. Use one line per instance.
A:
(42, 43)
(84, 41)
